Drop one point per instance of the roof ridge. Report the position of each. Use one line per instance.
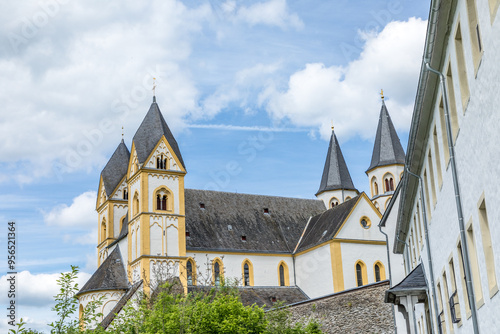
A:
(257, 195)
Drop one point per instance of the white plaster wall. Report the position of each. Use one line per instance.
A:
(162, 149)
(265, 268)
(478, 168)
(353, 229)
(123, 244)
(109, 299)
(169, 181)
(314, 272)
(119, 211)
(341, 195)
(369, 254)
(164, 235)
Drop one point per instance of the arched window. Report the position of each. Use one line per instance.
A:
(161, 162)
(190, 272)
(247, 273)
(376, 205)
(379, 271)
(348, 198)
(216, 273)
(361, 275)
(374, 186)
(334, 202)
(283, 274)
(163, 200)
(136, 204)
(103, 230)
(125, 194)
(388, 182)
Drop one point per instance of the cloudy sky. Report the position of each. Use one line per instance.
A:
(252, 83)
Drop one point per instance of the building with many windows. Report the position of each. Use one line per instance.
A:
(446, 216)
(289, 249)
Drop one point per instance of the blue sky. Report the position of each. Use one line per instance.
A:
(252, 84)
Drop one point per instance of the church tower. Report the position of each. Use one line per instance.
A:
(111, 203)
(388, 160)
(336, 184)
(155, 175)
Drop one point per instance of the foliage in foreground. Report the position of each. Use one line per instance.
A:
(211, 310)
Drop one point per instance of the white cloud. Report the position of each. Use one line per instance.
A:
(271, 13)
(349, 96)
(81, 213)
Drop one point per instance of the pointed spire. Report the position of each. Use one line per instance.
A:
(335, 174)
(387, 149)
(152, 128)
(116, 168)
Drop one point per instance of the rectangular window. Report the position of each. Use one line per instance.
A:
(462, 70)
(474, 265)
(452, 104)
(444, 135)
(441, 316)
(438, 158)
(413, 246)
(427, 200)
(475, 34)
(453, 301)
(487, 248)
(446, 297)
(431, 177)
(462, 275)
(420, 227)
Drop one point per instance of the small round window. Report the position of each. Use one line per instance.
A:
(365, 223)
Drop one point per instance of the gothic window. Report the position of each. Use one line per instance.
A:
(247, 273)
(374, 186)
(361, 276)
(125, 194)
(162, 200)
(161, 162)
(103, 230)
(334, 202)
(189, 272)
(282, 275)
(388, 182)
(216, 273)
(136, 204)
(377, 273)
(379, 270)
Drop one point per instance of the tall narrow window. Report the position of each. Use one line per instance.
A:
(441, 316)
(161, 162)
(136, 204)
(420, 227)
(216, 273)
(476, 277)
(103, 230)
(189, 272)
(377, 273)
(462, 275)
(433, 181)
(246, 275)
(452, 104)
(454, 305)
(391, 184)
(487, 248)
(446, 147)
(361, 275)
(462, 70)
(438, 158)
(446, 297)
(125, 194)
(162, 200)
(427, 195)
(386, 185)
(475, 33)
(374, 186)
(282, 275)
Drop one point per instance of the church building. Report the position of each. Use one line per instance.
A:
(151, 227)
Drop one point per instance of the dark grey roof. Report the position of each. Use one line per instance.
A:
(116, 168)
(323, 227)
(387, 149)
(119, 306)
(152, 128)
(335, 174)
(413, 284)
(264, 295)
(109, 276)
(227, 217)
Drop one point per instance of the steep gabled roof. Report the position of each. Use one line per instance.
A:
(226, 217)
(109, 276)
(152, 128)
(335, 174)
(116, 168)
(387, 149)
(324, 226)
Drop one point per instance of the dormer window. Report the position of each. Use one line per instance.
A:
(161, 162)
(266, 210)
(202, 205)
(243, 238)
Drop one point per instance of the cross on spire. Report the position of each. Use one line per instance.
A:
(382, 94)
(154, 87)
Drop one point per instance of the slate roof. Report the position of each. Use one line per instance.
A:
(109, 276)
(123, 231)
(335, 173)
(387, 149)
(413, 284)
(226, 217)
(263, 295)
(152, 128)
(119, 306)
(116, 168)
(324, 226)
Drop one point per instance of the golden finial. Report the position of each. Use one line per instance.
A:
(382, 94)
(332, 124)
(154, 86)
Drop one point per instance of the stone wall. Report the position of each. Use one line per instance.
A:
(360, 310)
